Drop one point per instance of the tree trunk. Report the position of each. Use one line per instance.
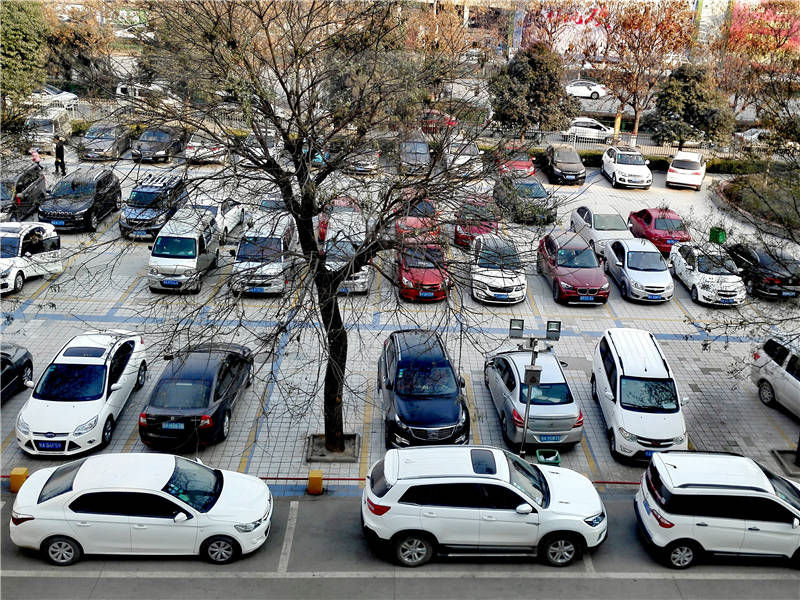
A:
(336, 342)
(636, 117)
(680, 145)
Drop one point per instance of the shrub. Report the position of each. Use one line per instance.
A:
(773, 203)
(79, 126)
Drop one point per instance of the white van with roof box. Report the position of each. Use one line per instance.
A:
(638, 395)
(265, 259)
(185, 249)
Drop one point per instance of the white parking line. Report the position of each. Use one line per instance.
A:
(588, 563)
(286, 549)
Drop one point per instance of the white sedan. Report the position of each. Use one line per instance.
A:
(137, 504)
(598, 228)
(228, 214)
(79, 397)
(584, 88)
(709, 274)
(496, 272)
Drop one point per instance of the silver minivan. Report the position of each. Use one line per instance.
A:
(267, 255)
(186, 248)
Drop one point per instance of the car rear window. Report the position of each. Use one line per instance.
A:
(60, 482)
(689, 165)
(377, 481)
(85, 351)
(776, 351)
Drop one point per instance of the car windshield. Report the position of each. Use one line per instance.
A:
(155, 135)
(648, 395)
(534, 189)
(273, 203)
(778, 262)
(567, 156)
(546, 394)
(340, 250)
(9, 246)
(422, 209)
(259, 249)
(175, 393)
(423, 258)
(174, 247)
(670, 225)
(582, 258)
(428, 380)
(71, 383)
(630, 159)
(103, 132)
(73, 187)
(519, 157)
(213, 209)
(195, 484)
(783, 489)
(716, 265)
(477, 213)
(688, 165)
(528, 479)
(646, 261)
(414, 148)
(499, 257)
(140, 199)
(6, 190)
(464, 149)
(41, 125)
(609, 223)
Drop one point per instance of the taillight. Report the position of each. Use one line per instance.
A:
(531, 170)
(18, 199)
(18, 519)
(377, 509)
(696, 173)
(205, 422)
(515, 416)
(756, 355)
(143, 419)
(671, 170)
(190, 147)
(773, 280)
(579, 422)
(661, 520)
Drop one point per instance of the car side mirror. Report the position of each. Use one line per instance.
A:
(524, 509)
(232, 253)
(684, 400)
(150, 247)
(647, 162)
(27, 255)
(795, 523)
(29, 384)
(387, 384)
(689, 268)
(461, 382)
(480, 152)
(740, 270)
(630, 225)
(618, 263)
(198, 461)
(115, 386)
(609, 396)
(180, 517)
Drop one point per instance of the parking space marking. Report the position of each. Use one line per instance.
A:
(288, 538)
(781, 431)
(251, 437)
(9, 438)
(131, 438)
(473, 417)
(534, 308)
(588, 563)
(590, 458)
(365, 435)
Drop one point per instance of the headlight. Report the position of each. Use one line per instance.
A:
(159, 153)
(627, 435)
(680, 439)
(86, 427)
(462, 418)
(5, 273)
(81, 212)
(399, 423)
(480, 285)
(595, 520)
(556, 170)
(605, 286)
(122, 218)
(153, 270)
(247, 527)
(406, 282)
(189, 272)
(669, 287)
(637, 285)
(162, 218)
(22, 426)
(565, 285)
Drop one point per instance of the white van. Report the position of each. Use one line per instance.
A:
(638, 395)
(185, 249)
(27, 250)
(266, 257)
(45, 125)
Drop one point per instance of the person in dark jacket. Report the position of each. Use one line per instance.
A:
(60, 156)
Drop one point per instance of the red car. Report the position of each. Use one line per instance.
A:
(517, 163)
(661, 226)
(572, 269)
(340, 204)
(435, 121)
(420, 223)
(477, 216)
(422, 272)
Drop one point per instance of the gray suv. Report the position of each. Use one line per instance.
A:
(22, 189)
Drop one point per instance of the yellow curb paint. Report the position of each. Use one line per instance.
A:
(589, 459)
(473, 417)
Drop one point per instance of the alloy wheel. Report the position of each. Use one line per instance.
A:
(561, 551)
(61, 552)
(766, 394)
(413, 551)
(141, 376)
(220, 551)
(27, 373)
(681, 556)
(19, 281)
(108, 429)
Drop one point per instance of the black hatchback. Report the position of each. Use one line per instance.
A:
(422, 399)
(81, 198)
(192, 402)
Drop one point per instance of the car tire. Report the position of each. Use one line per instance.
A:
(560, 549)
(681, 554)
(695, 295)
(118, 202)
(698, 188)
(623, 289)
(225, 427)
(647, 187)
(215, 264)
(612, 444)
(749, 287)
(593, 383)
(154, 290)
(605, 268)
(196, 289)
(591, 245)
(91, 221)
(19, 281)
(141, 376)
(249, 381)
(594, 95)
(556, 292)
(223, 239)
(386, 441)
(504, 430)
(485, 378)
(220, 550)
(766, 393)
(27, 374)
(671, 267)
(412, 549)
(61, 551)
(107, 433)
(614, 183)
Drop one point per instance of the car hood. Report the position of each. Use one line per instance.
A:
(6, 263)
(244, 499)
(571, 493)
(424, 276)
(633, 170)
(518, 165)
(478, 228)
(143, 213)
(150, 146)
(413, 158)
(252, 269)
(171, 265)
(62, 417)
(499, 277)
(430, 411)
(416, 223)
(657, 426)
(98, 144)
(582, 277)
(722, 280)
(654, 278)
(569, 167)
(70, 204)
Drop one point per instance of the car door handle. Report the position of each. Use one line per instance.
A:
(83, 524)
(489, 518)
(701, 524)
(137, 526)
(428, 513)
(753, 529)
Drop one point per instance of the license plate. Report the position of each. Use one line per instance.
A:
(50, 445)
(570, 176)
(426, 294)
(648, 453)
(550, 438)
(256, 290)
(501, 296)
(587, 298)
(140, 232)
(671, 241)
(169, 425)
(57, 222)
(171, 283)
(726, 301)
(646, 507)
(344, 290)
(654, 296)
(788, 294)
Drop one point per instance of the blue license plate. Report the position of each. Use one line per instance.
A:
(141, 233)
(50, 445)
(426, 294)
(726, 301)
(646, 507)
(344, 290)
(671, 241)
(586, 298)
(256, 290)
(570, 177)
(171, 283)
(169, 425)
(550, 438)
(501, 296)
(57, 222)
(654, 296)
(788, 294)
(648, 453)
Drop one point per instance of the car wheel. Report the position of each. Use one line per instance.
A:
(141, 376)
(223, 239)
(647, 187)
(92, 221)
(681, 554)
(225, 429)
(19, 281)
(118, 202)
(249, 381)
(612, 443)
(215, 264)
(605, 268)
(594, 96)
(593, 383)
(695, 296)
(766, 393)
(196, 289)
(623, 289)
(61, 551)
(591, 245)
(108, 432)
(220, 550)
(560, 549)
(27, 374)
(671, 267)
(698, 188)
(504, 430)
(386, 441)
(413, 549)
(749, 287)
(556, 292)
(486, 377)
(614, 181)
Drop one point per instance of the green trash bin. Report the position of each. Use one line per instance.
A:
(548, 457)
(717, 235)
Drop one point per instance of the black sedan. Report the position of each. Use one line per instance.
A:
(104, 141)
(17, 368)
(192, 403)
(81, 198)
(767, 272)
(158, 143)
(564, 165)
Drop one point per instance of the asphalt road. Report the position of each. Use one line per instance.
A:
(316, 550)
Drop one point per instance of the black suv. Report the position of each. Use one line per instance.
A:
(158, 143)
(422, 399)
(192, 402)
(152, 203)
(564, 165)
(81, 198)
(770, 273)
(22, 189)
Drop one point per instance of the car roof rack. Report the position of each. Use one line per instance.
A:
(158, 180)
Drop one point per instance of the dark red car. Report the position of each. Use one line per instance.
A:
(517, 163)
(422, 272)
(572, 269)
(435, 121)
(477, 216)
(420, 222)
(340, 204)
(661, 226)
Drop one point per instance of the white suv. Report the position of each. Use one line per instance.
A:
(694, 502)
(624, 165)
(776, 373)
(637, 393)
(478, 500)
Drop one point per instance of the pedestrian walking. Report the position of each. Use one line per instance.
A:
(36, 158)
(60, 156)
